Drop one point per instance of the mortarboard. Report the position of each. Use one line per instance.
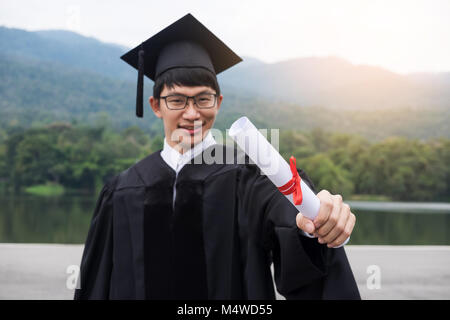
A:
(186, 43)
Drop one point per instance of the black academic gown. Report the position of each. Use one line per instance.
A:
(228, 225)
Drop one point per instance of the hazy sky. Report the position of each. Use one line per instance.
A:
(403, 36)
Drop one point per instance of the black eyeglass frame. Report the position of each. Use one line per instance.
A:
(190, 97)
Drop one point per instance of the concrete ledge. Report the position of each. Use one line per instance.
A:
(38, 271)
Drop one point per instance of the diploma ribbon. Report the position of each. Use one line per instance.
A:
(293, 185)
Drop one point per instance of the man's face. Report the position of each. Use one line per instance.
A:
(187, 127)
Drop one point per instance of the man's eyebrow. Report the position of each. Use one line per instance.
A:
(204, 91)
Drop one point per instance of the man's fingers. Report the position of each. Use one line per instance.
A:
(347, 232)
(333, 218)
(304, 223)
(339, 227)
(326, 204)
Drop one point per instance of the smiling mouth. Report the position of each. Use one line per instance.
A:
(191, 129)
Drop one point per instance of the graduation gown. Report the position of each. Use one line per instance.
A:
(218, 240)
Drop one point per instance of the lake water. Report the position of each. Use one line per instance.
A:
(66, 219)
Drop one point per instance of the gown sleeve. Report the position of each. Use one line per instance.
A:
(96, 262)
(303, 268)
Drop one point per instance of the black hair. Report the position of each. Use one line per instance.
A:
(189, 77)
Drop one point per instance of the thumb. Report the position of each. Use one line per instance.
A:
(304, 223)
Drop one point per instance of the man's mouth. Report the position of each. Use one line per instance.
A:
(191, 129)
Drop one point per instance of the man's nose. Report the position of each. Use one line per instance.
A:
(191, 111)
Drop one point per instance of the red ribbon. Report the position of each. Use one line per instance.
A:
(293, 185)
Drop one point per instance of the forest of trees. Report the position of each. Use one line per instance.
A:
(397, 167)
(82, 158)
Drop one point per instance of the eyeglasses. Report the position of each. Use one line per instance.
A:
(179, 101)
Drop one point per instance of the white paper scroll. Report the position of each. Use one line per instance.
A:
(271, 163)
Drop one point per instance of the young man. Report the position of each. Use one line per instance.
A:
(172, 227)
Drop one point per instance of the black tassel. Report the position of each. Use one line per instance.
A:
(140, 85)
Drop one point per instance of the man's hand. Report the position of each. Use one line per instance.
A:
(334, 223)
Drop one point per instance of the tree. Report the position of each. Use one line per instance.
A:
(326, 175)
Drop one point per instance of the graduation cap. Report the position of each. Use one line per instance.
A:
(186, 43)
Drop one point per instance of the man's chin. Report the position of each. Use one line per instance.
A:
(191, 141)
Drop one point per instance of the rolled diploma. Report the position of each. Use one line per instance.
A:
(271, 163)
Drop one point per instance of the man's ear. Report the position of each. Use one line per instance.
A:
(154, 103)
(219, 102)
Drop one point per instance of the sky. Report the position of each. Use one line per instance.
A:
(402, 36)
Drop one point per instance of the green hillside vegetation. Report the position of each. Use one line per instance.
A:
(67, 49)
(67, 119)
(400, 168)
(82, 159)
(39, 93)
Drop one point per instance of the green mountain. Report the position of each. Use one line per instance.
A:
(49, 76)
(67, 49)
(336, 83)
(36, 92)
